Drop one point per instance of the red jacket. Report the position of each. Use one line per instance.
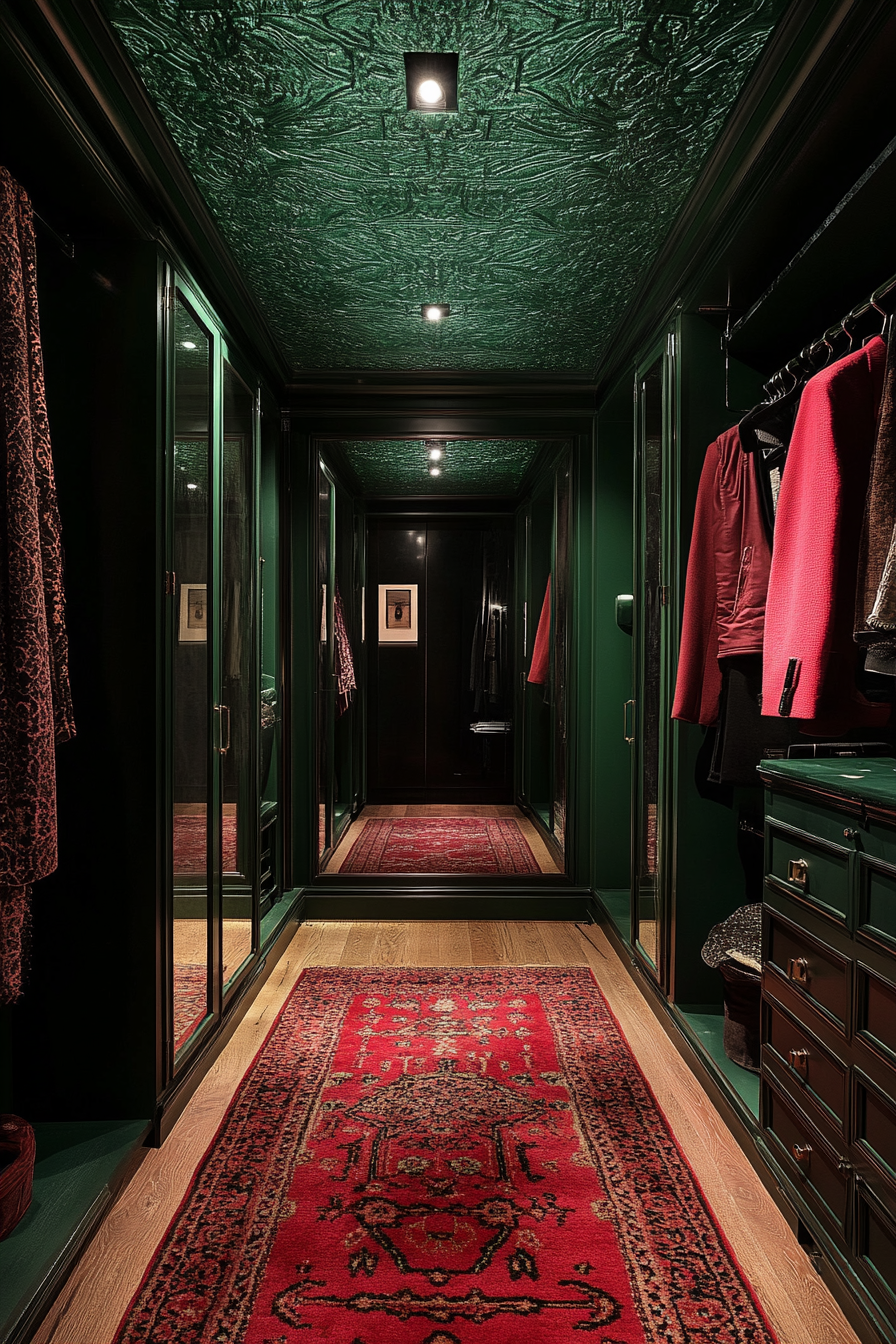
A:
(818, 524)
(728, 569)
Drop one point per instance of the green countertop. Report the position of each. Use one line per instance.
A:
(863, 778)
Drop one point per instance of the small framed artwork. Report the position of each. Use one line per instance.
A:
(193, 613)
(398, 613)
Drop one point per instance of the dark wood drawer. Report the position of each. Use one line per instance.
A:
(807, 1065)
(876, 1243)
(877, 902)
(815, 969)
(806, 1157)
(876, 1012)
(811, 868)
(874, 1126)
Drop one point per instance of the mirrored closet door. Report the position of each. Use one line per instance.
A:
(213, 671)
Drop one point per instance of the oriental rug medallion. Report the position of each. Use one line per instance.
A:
(440, 845)
(457, 1156)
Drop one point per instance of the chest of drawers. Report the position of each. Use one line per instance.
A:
(828, 1072)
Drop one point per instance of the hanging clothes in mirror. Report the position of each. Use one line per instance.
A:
(539, 669)
(345, 663)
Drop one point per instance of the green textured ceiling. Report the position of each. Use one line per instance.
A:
(467, 466)
(532, 211)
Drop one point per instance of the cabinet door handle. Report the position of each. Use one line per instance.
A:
(799, 1061)
(802, 1152)
(223, 746)
(628, 724)
(798, 970)
(798, 872)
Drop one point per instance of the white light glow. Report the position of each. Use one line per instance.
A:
(435, 471)
(192, 487)
(433, 314)
(188, 345)
(435, 454)
(430, 91)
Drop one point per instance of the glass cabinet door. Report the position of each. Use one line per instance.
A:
(192, 808)
(651, 715)
(213, 674)
(239, 712)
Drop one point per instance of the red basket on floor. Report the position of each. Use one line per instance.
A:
(16, 1170)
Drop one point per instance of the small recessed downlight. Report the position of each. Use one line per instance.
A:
(188, 345)
(434, 312)
(435, 454)
(192, 487)
(435, 471)
(431, 80)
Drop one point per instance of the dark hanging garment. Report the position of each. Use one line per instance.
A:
(345, 663)
(539, 669)
(810, 659)
(35, 700)
(744, 733)
(875, 624)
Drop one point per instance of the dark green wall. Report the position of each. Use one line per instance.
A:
(611, 685)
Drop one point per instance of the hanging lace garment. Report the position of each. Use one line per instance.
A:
(345, 663)
(35, 701)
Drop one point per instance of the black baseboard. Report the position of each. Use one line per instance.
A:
(560, 903)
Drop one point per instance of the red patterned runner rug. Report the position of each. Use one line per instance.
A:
(458, 1156)
(190, 843)
(190, 999)
(440, 845)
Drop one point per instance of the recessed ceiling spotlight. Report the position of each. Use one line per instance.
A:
(431, 80)
(434, 312)
(188, 345)
(435, 471)
(435, 454)
(192, 487)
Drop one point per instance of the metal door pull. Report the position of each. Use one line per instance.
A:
(799, 1061)
(802, 1152)
(798, 872)
(798, 970)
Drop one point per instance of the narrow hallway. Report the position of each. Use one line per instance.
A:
(798, 1305)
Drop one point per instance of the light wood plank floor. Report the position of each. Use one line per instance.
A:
(794, 1297)
(532, 836)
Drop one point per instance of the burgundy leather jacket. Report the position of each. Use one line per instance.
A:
(727, 579)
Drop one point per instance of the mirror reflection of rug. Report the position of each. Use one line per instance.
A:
(464, 1155)
(189, 844)
(190, 999)
(440, 845)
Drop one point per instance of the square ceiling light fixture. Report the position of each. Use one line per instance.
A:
(431, 78)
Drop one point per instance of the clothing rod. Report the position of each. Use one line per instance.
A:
(63, 242)
(802, 362)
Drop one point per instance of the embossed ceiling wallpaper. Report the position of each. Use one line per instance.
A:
(532, 210)
(467, 466)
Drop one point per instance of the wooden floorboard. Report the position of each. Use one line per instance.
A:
(799, 1306)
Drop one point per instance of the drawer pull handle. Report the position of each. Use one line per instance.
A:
(799, 1061)
(802, 1152)
(798, 872)
(798, 970)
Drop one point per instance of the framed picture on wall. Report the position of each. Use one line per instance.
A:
(398, 613)
(193, 613)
